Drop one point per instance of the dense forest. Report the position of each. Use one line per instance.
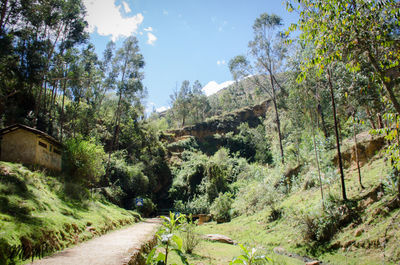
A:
(326, 79)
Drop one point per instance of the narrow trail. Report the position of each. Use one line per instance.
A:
(113, 248)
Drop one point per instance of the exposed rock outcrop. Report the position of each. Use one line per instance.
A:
(367, 147)
(221, 125)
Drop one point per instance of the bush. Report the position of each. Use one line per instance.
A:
(256, 190)
(84, 160)
(189, 236)
(76, 191)
(129, 178)
(275, 214)
(320, 227)
(147, 209)
(221, 208)
(198, 205)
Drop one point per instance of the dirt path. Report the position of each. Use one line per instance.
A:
(113, 248)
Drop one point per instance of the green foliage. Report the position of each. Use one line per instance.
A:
(189, 144)
(189, 105)
(148, 207)
(188, 176)
(320, 226)
(221, 208)
(257, 189)
(126, 182)
(190, 238)
(169, 240)
(199, 204)
(200, 179)
(249, 257)
(391, 133)
(84, 160)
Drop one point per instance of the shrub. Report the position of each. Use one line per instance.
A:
(189, 143)
(129, 178)
(198, 205)
(76, 191)
(320, 227)
(221, 207)
(148, 207)
(256, 190)
(189, 236)
(84, 160)
(275, 214)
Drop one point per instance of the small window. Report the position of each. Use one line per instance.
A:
(43, 144)
(51, 148)
(57, 151)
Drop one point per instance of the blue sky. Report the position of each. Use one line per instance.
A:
(181, 39)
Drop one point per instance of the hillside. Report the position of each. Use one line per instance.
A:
(39, 215)
(365, 231)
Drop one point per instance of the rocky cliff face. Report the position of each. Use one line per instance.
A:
(221, 125)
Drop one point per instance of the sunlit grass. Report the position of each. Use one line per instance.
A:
(35, 207)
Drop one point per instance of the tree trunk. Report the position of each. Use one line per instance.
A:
(278, 122)
(389, 88)
(3, 15)
(337, 137)
(380, 122)
(321, 114)
(371, 120)
(319, 170)
(62, 111)
(356, 150)
(37, 105)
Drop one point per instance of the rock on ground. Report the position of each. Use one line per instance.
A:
(219, 238)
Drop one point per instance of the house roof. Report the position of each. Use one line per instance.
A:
(30, 129)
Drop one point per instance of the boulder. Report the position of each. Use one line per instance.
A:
(279, 250)
(91, 229)
(219, 238)
(358, 232)
(314, 262)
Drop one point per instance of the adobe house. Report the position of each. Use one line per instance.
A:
(23, 144)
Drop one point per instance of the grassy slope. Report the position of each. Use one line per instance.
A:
(366, 248)
(34, 212)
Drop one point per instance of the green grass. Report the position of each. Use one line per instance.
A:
(215, 253)
(36, 212)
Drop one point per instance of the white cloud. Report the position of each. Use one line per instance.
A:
(106, 18)
(161, 109)
(213, 87)
(222, 62)
(151, 39)
(148, 29)
(165, 12)
(126, 7)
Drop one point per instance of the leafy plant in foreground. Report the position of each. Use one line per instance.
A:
(249, 257)
(169, 240)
